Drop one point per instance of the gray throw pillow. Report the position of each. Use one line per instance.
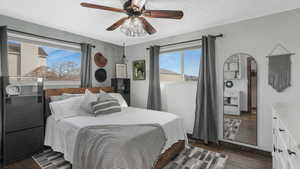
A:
(105, 107)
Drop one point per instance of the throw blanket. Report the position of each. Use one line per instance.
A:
(119, 147)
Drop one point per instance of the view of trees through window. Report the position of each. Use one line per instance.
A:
(53, 64)
(182, 65)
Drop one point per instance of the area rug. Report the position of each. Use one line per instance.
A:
(51, 160)
(189, 158)
(231, 128)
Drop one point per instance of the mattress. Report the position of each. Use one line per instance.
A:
(61, 135)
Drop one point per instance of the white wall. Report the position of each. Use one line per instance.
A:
(256, 37)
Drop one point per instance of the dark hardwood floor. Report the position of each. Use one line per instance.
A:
(238, 159)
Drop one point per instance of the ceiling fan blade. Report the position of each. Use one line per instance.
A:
(117, 24)
(138, 3)
(88, 5)
(147, 26)
(168, 14)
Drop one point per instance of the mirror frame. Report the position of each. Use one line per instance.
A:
(234, 141)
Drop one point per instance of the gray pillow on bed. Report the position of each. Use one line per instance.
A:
(105, 104)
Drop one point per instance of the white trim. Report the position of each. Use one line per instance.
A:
(42, 42)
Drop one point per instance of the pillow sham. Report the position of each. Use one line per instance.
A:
(66, 108)
(120, 98)
(105, 107)
(61, 97)
(87, 99)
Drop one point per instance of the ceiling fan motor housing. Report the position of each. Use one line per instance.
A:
(131, 10)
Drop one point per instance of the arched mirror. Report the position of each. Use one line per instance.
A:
(240, 99)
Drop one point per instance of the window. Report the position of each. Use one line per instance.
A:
(181, 65)
(53, 63)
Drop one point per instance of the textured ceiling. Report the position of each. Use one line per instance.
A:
(69, 16)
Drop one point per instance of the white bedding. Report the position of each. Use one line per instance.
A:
(61, 135)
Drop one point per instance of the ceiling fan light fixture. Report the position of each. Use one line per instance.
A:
(133, 27)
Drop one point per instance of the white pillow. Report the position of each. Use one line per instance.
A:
(66, 108)
(120, 99)
(87, 99)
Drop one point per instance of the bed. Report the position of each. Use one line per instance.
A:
(60, 135)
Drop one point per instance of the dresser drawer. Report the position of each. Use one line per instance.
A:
(23, 113)
(294, 152)
(23, 144)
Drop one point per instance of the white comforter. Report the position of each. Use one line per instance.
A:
(61, 135)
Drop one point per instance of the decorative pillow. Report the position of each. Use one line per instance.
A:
(105, 107)
(120, 98)
(66, 108)
(105, 97)
(70, 94)
(87, 99)
(61, 97)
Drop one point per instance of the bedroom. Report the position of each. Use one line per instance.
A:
(244, 117)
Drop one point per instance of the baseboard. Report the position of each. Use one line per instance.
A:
(232, 146)
(244, 148)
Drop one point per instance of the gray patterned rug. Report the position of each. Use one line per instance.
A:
(231, 128)
(190, 158)
(51, 160)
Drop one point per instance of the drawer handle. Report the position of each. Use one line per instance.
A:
(275, 149)
(281, 130)
(275, 118)
(280, 151)
(291, 152)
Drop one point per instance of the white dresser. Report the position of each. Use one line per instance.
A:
(286, 136)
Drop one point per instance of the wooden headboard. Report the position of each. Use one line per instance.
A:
(57, 92)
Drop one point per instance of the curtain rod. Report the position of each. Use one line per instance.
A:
(45, 37)
(194, 40)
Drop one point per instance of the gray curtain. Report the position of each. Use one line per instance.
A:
(86, 66)
(280, 71)
(4, 72)
(205, 125)
(3, 51)
(154, 94)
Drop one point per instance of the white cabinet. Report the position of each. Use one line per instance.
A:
(286, 151)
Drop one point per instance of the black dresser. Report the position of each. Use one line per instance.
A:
(22, 119)
(122, 86)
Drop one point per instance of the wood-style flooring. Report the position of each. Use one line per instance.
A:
(248, 129)
(237, 159)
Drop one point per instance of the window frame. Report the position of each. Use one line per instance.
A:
(181, 51)
(52, 44)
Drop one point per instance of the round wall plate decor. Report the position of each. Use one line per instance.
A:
(100, 75)
(100, 60)
(229, 84)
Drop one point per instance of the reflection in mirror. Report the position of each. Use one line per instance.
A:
(240, 99)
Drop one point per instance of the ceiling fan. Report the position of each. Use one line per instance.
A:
(136, 11)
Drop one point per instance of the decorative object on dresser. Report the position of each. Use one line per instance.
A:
(122, 86)
(100, 75)
(139, 70)
(100, 60)
(286, 136)
(23, 125)
(280, 68)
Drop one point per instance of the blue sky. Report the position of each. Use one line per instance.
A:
(172, 61)
(59, 55)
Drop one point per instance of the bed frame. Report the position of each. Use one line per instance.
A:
(164, 158)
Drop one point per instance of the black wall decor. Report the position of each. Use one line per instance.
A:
(101, 75)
